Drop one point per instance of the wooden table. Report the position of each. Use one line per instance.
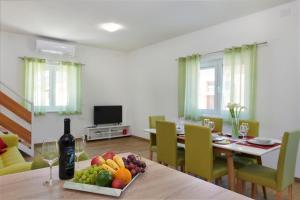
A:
(158, 182)
(229, 150)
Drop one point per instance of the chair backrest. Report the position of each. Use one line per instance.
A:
(287, 159)
(152, 124)
(253, 127)
(166, 139)
(153, 119)
(218, 122)
(198, 151)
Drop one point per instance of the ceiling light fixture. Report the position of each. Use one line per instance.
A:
(111, 27)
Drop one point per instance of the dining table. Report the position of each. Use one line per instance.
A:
(234, 146)
(158, 182)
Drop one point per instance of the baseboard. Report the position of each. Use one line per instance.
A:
(140, 138)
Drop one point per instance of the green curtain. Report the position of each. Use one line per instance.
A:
(36, 85)
(188, 72)
(239, 79)
(68, 92)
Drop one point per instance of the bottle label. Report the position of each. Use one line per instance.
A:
(70, 157)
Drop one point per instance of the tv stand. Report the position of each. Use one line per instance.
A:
(106, 132)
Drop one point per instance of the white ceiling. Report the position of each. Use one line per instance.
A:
(145, 21)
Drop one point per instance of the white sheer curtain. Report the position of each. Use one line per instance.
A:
(68, 88)
(239, 79)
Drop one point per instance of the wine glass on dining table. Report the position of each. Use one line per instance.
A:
(50, 155)
(79, 148)
(211, 125)
(244, 128)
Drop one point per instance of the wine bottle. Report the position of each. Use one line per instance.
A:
(66, 153)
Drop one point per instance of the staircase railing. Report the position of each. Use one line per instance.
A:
(16, 108)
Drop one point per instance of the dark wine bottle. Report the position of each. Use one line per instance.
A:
(66, 153)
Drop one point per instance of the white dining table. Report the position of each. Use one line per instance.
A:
(229, 150)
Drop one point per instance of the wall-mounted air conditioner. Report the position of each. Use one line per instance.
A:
(57, 48)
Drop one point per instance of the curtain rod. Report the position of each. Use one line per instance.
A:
(219, 51)
(22, 58)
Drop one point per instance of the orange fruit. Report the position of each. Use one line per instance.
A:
(123, 174)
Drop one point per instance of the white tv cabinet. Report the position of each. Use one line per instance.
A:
(107, 132)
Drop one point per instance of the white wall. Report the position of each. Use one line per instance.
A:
(104, 82)
(155, 70)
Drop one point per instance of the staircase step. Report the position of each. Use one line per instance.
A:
(15, 128)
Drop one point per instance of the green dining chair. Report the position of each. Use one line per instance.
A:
(242, 160)
(279, 179)
(152, 124)
(199, 159)
(218, 123)
(167, 151)
(253, 127)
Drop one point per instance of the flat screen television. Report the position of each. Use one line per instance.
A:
(107, 115)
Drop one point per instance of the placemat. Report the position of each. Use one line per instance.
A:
(258, 146)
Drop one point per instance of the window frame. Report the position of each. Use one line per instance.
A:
(52, 68)
(215, 62)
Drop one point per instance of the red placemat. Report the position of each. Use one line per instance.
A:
(258, 146)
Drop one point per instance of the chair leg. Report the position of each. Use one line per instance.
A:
(290, 192)
(151, 155)
(264, 191)
(181, 167)
(259, 161)
(218, 181)
(253, 191)
(243, 186)
(239, 186)
(278, 195)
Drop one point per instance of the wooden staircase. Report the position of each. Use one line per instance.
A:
(15, 126)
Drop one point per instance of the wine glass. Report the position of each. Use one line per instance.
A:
(244, 128)
(50, 155)
(205, 122)
(79, 148)
(180, 123)
(211, 125)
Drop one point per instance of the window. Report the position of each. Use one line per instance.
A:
(53, 86)
(210, 84)
(206, 84)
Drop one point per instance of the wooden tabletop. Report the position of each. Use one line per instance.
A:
(158, 182)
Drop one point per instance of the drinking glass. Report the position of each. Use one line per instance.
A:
(244, 128)
(79, 148)
(180, 123)
(211, 125)
(205, 122)
(50, 155)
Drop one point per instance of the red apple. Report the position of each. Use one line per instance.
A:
(117, 183)
(97, 160)
(108, 155)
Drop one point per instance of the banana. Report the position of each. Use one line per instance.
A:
(119, 161)
(108, 168)
(112, 164)
(102, 159)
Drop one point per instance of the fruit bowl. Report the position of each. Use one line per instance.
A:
(109, 174)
